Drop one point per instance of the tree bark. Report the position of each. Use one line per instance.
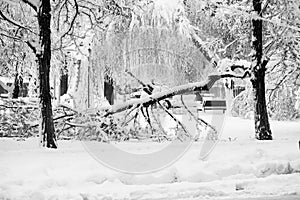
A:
(16, 89)
(63, 84)
(262, 126)
(109, 89)
(43, 54)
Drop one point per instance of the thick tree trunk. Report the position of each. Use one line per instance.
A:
(43, 54)
(262, 126)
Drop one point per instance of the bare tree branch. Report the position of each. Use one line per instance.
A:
(33, 48)
(59, 13)
(265, 6)
(31, 4)
(282, 80)
(30, 45)
(12, 37)
(14, 22)
(73, 20)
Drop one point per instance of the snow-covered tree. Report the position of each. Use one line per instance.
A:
(41, 47)
(37, 35)
(259, 32)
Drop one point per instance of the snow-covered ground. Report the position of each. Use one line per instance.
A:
(240, 167)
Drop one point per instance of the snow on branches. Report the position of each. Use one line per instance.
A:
(234, 69)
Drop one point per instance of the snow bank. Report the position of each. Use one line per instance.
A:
(240, 167)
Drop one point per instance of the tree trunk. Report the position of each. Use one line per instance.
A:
(16, 89)
(63, 84)
(109, 89)
(43, 54)
(262, 126)
(17, 83)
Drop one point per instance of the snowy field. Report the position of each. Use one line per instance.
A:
(240, 167)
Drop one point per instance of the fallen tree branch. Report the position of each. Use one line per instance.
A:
(156, 97)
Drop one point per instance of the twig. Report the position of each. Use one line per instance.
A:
(14, 23)
(197, 119)
(146, 116)
(73, 20)
(176, 120)
(159, 124)
(21, 40)
(127, 114)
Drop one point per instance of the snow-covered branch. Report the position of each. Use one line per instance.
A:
(229, 69)
(156, 97)
(203, 48)
(234, 69)
(242, 11)
(236, 75)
